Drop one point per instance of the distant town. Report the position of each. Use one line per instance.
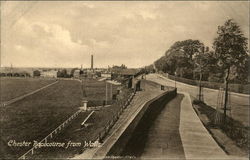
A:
(77, 72)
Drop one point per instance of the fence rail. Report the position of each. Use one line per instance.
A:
(101, 135)
(55, 131)
(238, 88)
(116, 116)
(26, 95)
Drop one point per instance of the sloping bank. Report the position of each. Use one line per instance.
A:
(140, 124)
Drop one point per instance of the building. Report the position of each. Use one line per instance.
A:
(106, 75)
(124, 73)
(77, 73)
(49, 73)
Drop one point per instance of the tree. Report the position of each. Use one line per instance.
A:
(180, 57)
(36, 73)
(231, 50)
(123, 66)
(63, 74)
(72, 72)
(188, 47)
(161, 64)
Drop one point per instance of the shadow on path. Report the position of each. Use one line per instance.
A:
(157, 134)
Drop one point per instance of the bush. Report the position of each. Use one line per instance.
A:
(2, 74)
(36, 73)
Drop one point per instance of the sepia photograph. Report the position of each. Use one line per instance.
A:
(106, 80)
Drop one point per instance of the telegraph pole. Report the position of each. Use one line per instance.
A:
(200, 82)
(200, 70)
(111, 90)
(106, 92)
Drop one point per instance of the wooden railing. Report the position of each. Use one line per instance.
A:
(50, 136)
(110, 123)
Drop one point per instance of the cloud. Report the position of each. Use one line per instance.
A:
(65, 33)
(44, 45)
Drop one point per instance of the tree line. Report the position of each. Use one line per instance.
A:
(226, 61)
(9, 74)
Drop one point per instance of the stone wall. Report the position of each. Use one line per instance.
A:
(150, 110)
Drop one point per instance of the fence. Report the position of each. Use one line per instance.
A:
(239, 88)
(54, 132)
(26, 95)
(115, 117)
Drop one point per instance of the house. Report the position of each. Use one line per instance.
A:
(77, 73)
(106, 75)
(124, 73)
(49, 73)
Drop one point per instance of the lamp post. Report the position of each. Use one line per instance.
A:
(175, 79)
(106, 99)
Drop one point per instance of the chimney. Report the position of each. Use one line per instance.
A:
(92, 62)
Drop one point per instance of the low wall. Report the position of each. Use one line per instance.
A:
(149, 111)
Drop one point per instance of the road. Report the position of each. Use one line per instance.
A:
(239, 102)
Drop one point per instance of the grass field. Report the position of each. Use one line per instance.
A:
(14, 87)
(72, 133)
(96, 91)
(35, 116)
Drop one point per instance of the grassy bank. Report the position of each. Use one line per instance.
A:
(232, 137)
(35, 116)
(74, 132)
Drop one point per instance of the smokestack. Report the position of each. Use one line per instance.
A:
(92, 62)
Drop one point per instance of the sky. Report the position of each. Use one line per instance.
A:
(65, 33)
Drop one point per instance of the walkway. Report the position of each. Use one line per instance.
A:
(152, 90)
(196, 140)
(164, 140)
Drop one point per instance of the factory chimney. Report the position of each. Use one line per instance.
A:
(92, 62)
